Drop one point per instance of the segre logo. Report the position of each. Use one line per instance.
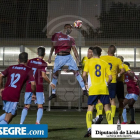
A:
(24, 131)
(13, 131)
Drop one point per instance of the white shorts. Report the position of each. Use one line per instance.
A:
(131, 96)
(67, 60)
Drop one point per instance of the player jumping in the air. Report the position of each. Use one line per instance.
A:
(38, 66)
(98, 89)
(16, 75)
(62, 43)
(132, 96)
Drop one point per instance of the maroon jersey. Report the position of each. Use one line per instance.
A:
(63, 42)
(38, 66)
(131, 83)
(16, 75)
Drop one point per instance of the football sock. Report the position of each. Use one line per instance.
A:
(80, 80)
(97, 110)
(124, 115)
(3, 122)
(23, 115)
(100, 109)
(132, 113)
(39, 114)
(54, 81)
(53, 91)
(89, 119)
(113, 110)
(109, 117)
(2, 117)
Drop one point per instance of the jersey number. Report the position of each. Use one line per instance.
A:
(34, 70)
(13, 82)
(98, 72)
(110, 65)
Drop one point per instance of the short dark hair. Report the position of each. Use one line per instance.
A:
(41, 50)
(23, 57)
(67, 25)
(127, 63)
(90, 48)
(112, 49)
(96, 50)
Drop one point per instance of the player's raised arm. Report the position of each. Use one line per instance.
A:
(75, 53)
(54, 40)
(51, 52)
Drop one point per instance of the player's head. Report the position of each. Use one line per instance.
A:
(121, 57)
(111, 49)
(96, 51)
(90, 53)
(68, 28)
(41, 51)
(127, 63)
(23, 57)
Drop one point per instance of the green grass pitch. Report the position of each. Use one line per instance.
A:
(63, 125)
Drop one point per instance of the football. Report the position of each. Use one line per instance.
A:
(78, 24)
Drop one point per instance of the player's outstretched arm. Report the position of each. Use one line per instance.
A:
(75, 53)
(51, 52)
(45, 77)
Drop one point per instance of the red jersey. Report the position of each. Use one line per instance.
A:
(63, 42)
(131, 83)
(38, 66)
(16, 75)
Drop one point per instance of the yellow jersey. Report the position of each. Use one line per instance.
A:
(121, 78)
(97, 70)
(115, 64)
(84, 60)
